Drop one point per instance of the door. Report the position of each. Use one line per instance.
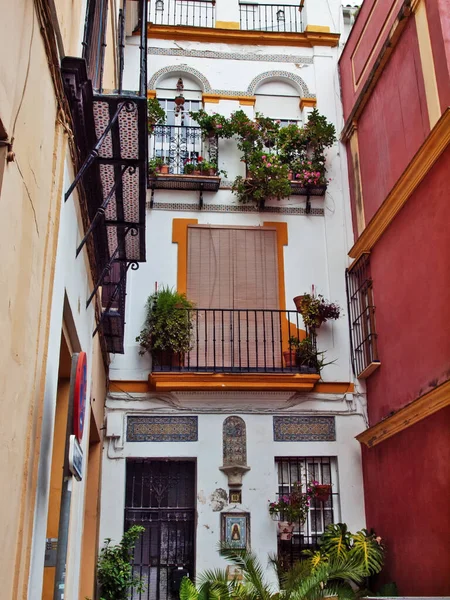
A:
(160, 496)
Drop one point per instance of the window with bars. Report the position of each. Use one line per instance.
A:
(304, 470)
(361, 314)
(94, 42)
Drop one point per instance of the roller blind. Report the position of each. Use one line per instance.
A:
(232, 274)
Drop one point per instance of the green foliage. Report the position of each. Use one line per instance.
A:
(315, 310)
(156, 115)
(168, 324)
(154, 165)
(293, 506)
(267, 178)
(212, 125)
(114, 570)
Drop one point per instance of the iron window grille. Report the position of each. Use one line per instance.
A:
(192, 13)
(285, 18)
(304, 470)
(361, 314)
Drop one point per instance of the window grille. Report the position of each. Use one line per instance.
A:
(361, 314)
(304, 470)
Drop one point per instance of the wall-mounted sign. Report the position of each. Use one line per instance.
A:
(79, 394)
(75, 458)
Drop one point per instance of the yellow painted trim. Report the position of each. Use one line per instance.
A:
(357, 182)
(282, 240)
(136, 387)
(307, 39)
(427, 62)
(227, 25)
(141, 387)
(216, 98)
(414, 174)
(407, 416)
(151, 94)
(179, 236)
(317, 29)
(223, 382)
(308, 102)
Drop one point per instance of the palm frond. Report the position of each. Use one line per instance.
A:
(252, 571)
(188, 591)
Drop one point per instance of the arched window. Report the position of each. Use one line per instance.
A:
(279, 100)
(166, 91)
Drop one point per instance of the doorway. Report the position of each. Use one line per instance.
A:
(160, 496)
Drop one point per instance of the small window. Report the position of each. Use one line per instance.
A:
(159, 5)
(361, 314)
(304, 470)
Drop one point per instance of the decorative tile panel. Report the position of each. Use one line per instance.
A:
(304, 429)
(250, 56)
(300, 84)
(162, 429)
(179, 69)
(236, 208)
(234, 441)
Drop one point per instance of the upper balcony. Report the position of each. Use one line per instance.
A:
(286, 18)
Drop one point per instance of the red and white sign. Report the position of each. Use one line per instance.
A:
(79, 395)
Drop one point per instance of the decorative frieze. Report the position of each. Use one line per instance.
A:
(304, 429)
(249, 56)
(162, 429)
(236, 208)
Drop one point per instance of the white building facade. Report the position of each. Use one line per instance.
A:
(195, 448)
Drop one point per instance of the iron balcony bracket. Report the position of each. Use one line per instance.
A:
(107, 269)
(129, 106)
(134, 267)
(201, 196)
(152, 197)
(308, 203)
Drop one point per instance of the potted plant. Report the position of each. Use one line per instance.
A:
(154, 165)
(319, 491)
(167, 331)
(189, 167)
(315, 310)
(290, 508)
(156, 115)
(212, 125)
(208, 168)
(289, 355)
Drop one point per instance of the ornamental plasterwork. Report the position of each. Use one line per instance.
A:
(301, 86)
(250, 56)
(236, 208)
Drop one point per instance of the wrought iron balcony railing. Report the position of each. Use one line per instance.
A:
(192, 13)
(240, 341)
(284, 18)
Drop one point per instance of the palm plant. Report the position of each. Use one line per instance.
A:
(307, 580)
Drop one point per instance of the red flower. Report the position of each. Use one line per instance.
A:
(199, 159)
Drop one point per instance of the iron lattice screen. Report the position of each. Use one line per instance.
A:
(160, 496)
(361, 314)
(304, 470)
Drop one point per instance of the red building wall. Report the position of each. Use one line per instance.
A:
(407, 492)
(410, 268)
(394, 123)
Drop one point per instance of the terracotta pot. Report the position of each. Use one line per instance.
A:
(180, 100)
(323, 492)
(197, 172)
(290, 175)
(164, 169)
(285, 529)
(211, 172)
(298, 302)
(289, 358)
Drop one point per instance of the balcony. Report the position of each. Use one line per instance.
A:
(183, 150)
(227, 344)
(283, 18)
(111, 166)
(191, 13)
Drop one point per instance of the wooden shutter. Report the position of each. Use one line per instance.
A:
(235, 272)
(95, 40)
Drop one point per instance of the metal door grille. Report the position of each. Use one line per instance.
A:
(322, 469)
(160, 496)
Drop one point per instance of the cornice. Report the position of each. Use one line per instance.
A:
(414, 174)
(407, 416)
(309, 38)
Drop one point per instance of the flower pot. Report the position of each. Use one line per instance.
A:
(289, 358)
(168, 359)
(179, 100)
(164, 169)
(323, 492)
(298, 302)
(197, 172)
(211, 172)
(290, 175)
(285, 530)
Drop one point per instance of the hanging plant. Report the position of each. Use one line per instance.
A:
(156, 115)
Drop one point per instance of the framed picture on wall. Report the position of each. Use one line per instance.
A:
(235, 530)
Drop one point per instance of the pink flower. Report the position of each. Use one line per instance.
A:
(263, 157)
(219, 126)
(269, 164)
